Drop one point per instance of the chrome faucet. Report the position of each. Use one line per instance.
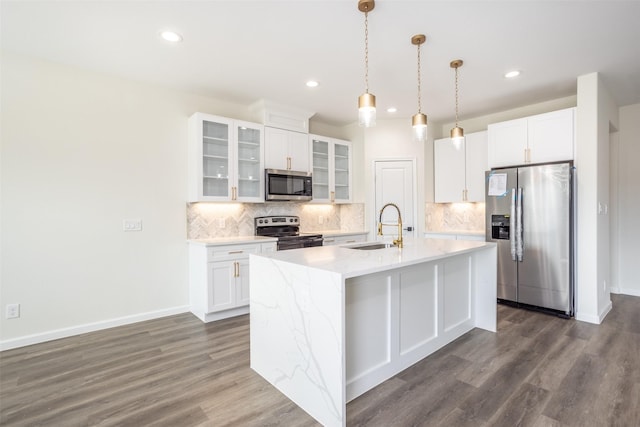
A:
(398, 241)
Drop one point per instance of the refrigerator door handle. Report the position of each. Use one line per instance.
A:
(513, 236)
(519, 230)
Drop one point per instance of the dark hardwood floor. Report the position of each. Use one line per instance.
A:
(538, 370)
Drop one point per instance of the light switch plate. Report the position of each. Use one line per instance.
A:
(12, 311)
(132, 225)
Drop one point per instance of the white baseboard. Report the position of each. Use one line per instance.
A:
(607, 308)
(88, 327)
(626, 291)
(590, 318)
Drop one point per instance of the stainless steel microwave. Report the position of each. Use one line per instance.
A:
(287, 185)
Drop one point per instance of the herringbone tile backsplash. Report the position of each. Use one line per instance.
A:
(210, 220)
(454, 217)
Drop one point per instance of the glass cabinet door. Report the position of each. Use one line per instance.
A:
(341, 171)
(320, 172)
(215, 159)
(249, 161)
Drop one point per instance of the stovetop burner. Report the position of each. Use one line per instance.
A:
(287, 230)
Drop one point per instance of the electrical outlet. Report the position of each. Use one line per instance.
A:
(12, 311)
(320, 219)
(132, 224)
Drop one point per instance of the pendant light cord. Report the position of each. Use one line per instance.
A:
(366, 52)
(456, 96)
(419, 79)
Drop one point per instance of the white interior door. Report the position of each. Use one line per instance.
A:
(394, 183)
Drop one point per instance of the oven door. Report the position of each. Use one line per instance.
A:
(284, 245)
(285, 185)
(312, 241)
(298, 242)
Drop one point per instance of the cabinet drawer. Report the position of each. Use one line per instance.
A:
(232, 252)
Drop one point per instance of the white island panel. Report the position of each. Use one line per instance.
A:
(457, 292)
(368, 311)
(418, 300)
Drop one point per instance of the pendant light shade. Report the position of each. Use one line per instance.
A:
(457, 137)
(366, 101)
(457, 133)
(367, 109)
(419, 120)
(419, 124)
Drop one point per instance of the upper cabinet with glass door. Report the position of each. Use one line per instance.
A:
(249, 161)
(226, 159)
(331, 167)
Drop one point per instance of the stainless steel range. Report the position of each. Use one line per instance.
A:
(287, 230)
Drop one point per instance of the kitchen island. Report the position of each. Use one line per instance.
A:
(329, 323)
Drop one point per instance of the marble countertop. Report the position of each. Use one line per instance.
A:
(353, 263)
(235, 240)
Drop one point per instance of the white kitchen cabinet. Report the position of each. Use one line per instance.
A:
(219, 278)
(228, 284)
(459, 174)
(226, 159)
(331, 168)
(287, 150)
(542, 138)
(334, 240)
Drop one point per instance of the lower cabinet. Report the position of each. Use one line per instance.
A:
(228, 284)
(219, 278)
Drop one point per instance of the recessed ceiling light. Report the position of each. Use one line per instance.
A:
(512, 74)
(312, 83)
(171, 36)
(392, 110)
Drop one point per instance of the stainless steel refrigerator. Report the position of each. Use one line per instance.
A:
(530, 215)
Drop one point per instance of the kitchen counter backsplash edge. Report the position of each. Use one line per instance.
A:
(232, 220)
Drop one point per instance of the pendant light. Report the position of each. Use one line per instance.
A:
(366, 101)
(419, 120)
(457, 133)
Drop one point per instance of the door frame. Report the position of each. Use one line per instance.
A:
(374, 219)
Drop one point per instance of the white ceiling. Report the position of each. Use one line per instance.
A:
(242, 51)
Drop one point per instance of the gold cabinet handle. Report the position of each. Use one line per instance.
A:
(333, 196)
(235, 252)
(236, 269)
(288, 163)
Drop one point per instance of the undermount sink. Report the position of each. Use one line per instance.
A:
(372, 246)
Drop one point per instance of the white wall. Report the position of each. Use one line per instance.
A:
(82, 151)
(596, 115)
(625, 225)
